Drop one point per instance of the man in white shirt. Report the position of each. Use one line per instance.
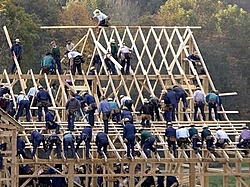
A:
(32, 98)
(75, 61)
(221, 137)
(199, 103)
(23, 102)
(102, 18)
(126, 101)
(182, 135)
(124, 53)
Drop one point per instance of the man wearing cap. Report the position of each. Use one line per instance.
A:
(54, 140)
(68, 140)
(50, 122)
(147, 142)
(194, 137)
(69, 45)
(15, 52)
(110, 65)
(199, 103)
(221, 137)
(124, 53)
(101, 142)
(23, 102)
(5, 102)
(72, 105)
(129, 131)
(105, 110)
(170, 134)
(36, 138)
(146, 111)
(154, 101)
(170, 100)
(86, 136)
(75, 62)
(102, 18)
(4, 90)
(56, 55)
(244, 139)
(43, 101)
(207, 136)
(89, 102)
(181, 94)
(115, 110)
(213, 100)
(48, 64)
(126, 101)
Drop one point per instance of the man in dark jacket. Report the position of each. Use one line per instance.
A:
(193, 132)
(43, 100)
(72, 106)
(50, 123)
(102, 143)
(129, 131)
(126, 113)
(54, 140)
(172, 96)
(15, 52)
(89, 102)
(170, 134)
(36, 138)
(146, 111)
(86, 136)
(21, 147)
(207, 136)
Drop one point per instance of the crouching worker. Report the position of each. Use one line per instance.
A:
(50, 123)
(54, 140)
(68, 140)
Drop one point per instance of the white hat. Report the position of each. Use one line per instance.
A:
(145, 100)
(121, 96)
(92, 67)
(112, 40)
(96, 12)
(17, 40)
(126, 119)
(21, 92)
(40, 87)
(110, 99)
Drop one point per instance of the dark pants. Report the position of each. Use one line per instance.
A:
(71, 121)
(156, 110)
(36, 143)
(244, 144)
(53, 125)
(106, 121)
(130, 145)
(66, 143)
(221, 143)
(40, 108)
(172, 146)
(92, 117)
(78, 67)
(58, 149)
(168, 115)
(210, 143)
(212, 105)
(195, 140)
(126, 62)
(199, 105)
(58, 63)
(149, 145)
(13, 67)
(102, 145)
(24, 104)
(87, 145)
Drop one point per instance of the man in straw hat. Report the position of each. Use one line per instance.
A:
(102, 18)
(16, 52)
(23, 103)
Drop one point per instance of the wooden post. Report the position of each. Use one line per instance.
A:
(71, 175)
(192, 174)
(14, 165)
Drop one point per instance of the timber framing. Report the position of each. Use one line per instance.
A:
(159, 60)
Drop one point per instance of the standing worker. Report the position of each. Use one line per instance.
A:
(72, 106)
(15, 52)
(43, 101)
(23, 102)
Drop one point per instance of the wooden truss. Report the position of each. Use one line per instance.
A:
(159, 60)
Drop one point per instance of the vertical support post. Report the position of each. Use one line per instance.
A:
(71, 175)
(14, 164)
(192, 174)
(225, 178)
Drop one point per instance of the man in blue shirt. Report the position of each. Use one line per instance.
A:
(50, 123)
(86, 136)
(15, 52)
(23, 102)
(105, 110)
(68, 140)
(48, 63)
(36, 138)
(129, 131)
(43, 100)
(89, 101)
(170, 134)
(115, 110)
(102, 143)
